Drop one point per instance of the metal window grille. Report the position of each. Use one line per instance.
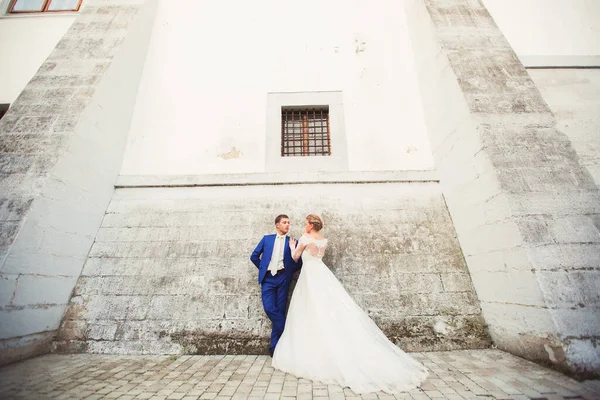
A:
(305, 132)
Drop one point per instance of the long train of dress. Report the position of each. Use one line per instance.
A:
(329, 338)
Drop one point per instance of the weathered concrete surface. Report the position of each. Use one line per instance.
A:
(455, 375)
(169, 272)
(20, 348)
(524, 207)
(61, 145)
(573, 95)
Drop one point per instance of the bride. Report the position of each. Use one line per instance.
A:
(329, 338)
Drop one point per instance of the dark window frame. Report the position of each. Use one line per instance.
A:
(45, 8)
(4, 109)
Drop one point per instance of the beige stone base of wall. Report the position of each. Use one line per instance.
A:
(169, 272)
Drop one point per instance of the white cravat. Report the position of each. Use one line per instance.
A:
(276, 262)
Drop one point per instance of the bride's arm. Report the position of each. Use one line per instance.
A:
(297, 247)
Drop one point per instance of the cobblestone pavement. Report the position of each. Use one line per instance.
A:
(481, 374)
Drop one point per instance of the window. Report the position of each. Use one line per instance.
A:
(305, 132)
(27, 6)
(3, 109)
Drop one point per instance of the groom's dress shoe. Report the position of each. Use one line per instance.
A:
(271, 351)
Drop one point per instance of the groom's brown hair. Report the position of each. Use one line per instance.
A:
(279, 217)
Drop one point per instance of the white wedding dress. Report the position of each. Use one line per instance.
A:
(329, 338)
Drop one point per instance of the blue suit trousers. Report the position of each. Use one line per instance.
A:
(275, 291)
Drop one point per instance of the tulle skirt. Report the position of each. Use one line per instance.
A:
(330, 339)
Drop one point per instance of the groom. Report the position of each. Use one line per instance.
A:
(276, 267)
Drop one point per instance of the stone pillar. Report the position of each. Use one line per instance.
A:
(61, 145)
(525, 209)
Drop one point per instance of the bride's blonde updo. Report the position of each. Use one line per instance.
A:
(315, 221)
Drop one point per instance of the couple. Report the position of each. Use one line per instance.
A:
(327, 336)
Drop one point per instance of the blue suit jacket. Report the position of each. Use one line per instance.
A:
(261, 257)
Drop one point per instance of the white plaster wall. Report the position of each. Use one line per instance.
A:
(202, 102)
(25, 42)
(550, 32)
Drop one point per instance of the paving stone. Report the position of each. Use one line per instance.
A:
(463, 374)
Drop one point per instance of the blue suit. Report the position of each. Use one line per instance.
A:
(275, 289)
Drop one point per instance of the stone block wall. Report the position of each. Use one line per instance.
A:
(169, 272)
(524, 207)
(61, 145)
(573, 95)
